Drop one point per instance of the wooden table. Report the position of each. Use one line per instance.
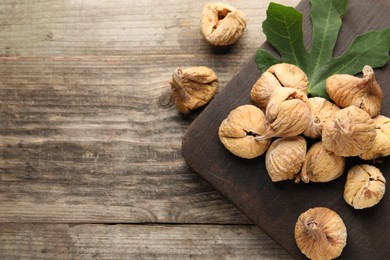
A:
(90, 147)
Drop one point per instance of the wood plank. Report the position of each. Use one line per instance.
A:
(275, 207)
(120, 27)
(85, 139)
(62, 241)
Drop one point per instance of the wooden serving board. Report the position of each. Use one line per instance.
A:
(275, 207)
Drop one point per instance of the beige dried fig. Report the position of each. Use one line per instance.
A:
(238, 132)
(349, 133)
(381, 147)
(365, 186)
(284, 158)
(193, 87)
(278, 75)
(346, 90)
(321, 110)
(287, 113)
(263, 89)
(321, 165)
(320, 234)
(222, 24)
(290, 76)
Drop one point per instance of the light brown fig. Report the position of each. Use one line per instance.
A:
(239, 130)
(287, 114)
(290, 76)
(278, 75)
(222, 24)
(346, 90)
(321, 165)
(320, 233)
(193, 87)
(381, 147)
(321, 110)
(263, 89)
(349, 133)
(284, 158)
(365, 186)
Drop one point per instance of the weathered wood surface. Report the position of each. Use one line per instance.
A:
(86, 135)
(88, 241)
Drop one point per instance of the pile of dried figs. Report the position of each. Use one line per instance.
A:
(282, 117)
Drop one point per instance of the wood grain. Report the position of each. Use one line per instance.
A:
(275, 207)
(87, 133)
(82, 143)
(118, 27)
(62, 241)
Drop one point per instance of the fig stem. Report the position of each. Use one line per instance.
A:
(314, 231)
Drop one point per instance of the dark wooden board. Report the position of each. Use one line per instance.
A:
(275, 207)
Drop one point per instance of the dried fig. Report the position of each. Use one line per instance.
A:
(284, 158)
(278, 75)
(287, 114)
(193, 87)
(239, 130)
(365, 186)
(290, 76)
(320, 233)
(321, 165)
(321, 110)
(222, 24)
(349, 133)
(365, 92)
(263, 89)
(381, 147)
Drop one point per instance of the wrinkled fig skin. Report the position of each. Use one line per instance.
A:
(278, 75)
(349, 133)
(321, 110)
(263, 89)
(365, 92)
(320, 234)
(381, 147)
(290, 76)
(287, 114)
(193, 87)
(238, 132)
(222, 24)
(284, 158)
(321, 165)
(365, 186)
